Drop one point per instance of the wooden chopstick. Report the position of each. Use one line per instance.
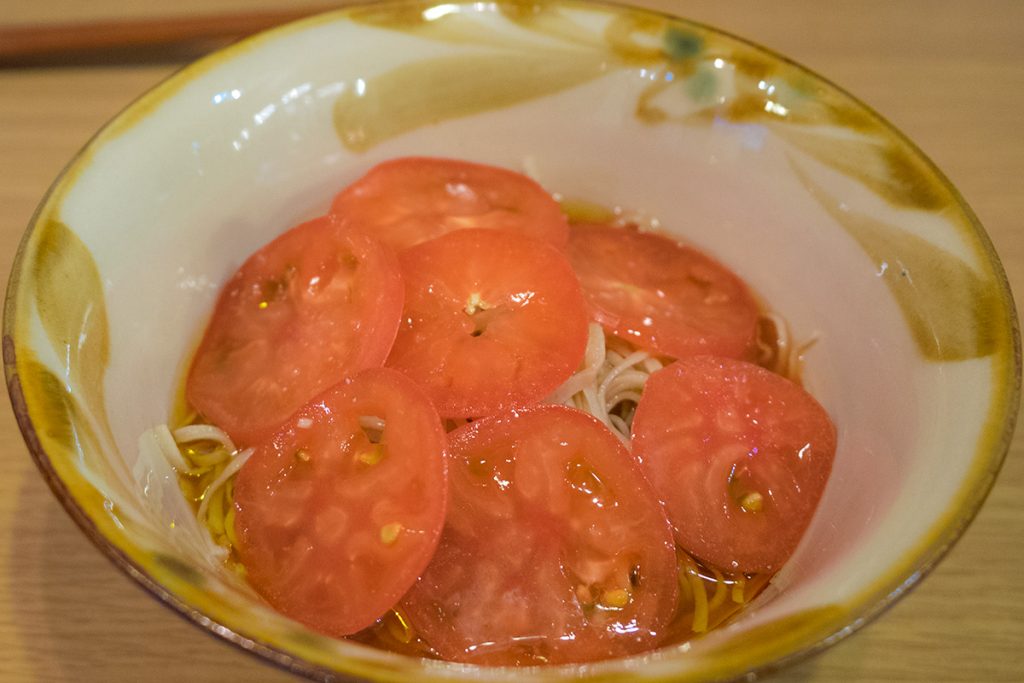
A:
(62, 43)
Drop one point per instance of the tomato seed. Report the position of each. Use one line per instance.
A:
(617, 599)
(389, 533)
(752, 502)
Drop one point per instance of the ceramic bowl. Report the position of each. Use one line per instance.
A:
(831, 215)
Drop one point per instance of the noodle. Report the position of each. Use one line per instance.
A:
(776, 349)
(593, 357)
(619, 424)
(206, 461)
(201, 432)
(622, 365)
(229, 527)
(168, 447)
(700, 598)
(609, 382)
(686, 589)
(232, 468)
(738, 591)
(398, 626)
(720, 592)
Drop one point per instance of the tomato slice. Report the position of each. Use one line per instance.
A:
(334, 523)
(406, 201)
(661, 295)
(555, 548)
(318, 303)
(492, 320)
(739, 455)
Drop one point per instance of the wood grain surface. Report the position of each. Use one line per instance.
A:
(949, 73)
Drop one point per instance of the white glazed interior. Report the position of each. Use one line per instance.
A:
(246, 147)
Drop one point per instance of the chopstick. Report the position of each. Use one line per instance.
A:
(70, 42)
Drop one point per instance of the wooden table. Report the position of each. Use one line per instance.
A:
(949, 73)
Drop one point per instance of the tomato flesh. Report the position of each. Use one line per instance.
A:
(555, 548)
(739, 455)
(334, 524)
(316, 304)
(406, 201)
(661, 295)
(492, 320)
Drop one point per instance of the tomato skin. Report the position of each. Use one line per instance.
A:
(711, 433)
(548, 515)
(316, 304)
(492, 320)
(405, 201)
(662, 295)
(331, 529)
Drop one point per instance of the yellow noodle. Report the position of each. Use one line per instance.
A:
(720, 592)
(215, 513)
(198, 472)
(684, 582)
(203, 484)
(398, 626)
(700, 602)
(738, 591)
(229, 526)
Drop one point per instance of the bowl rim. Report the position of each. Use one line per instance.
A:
(898, 580)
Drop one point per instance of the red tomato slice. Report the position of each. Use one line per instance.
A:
(739, 455)
(318, 303)
(661, 295)
(492, 320)
(333, 524)
(407, 201)
(555, 548)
